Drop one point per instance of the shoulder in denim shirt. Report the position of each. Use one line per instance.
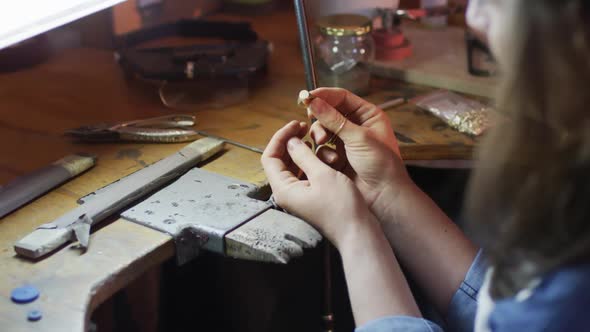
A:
(559, 303)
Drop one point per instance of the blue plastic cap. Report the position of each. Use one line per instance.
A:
(24, 294)
(34, 315)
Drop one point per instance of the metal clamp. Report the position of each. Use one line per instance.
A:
(198, 210)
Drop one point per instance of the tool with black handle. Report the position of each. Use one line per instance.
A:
(26, 188)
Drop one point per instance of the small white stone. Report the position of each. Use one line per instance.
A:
(304, 98)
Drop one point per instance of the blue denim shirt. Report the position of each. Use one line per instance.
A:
(559, 303)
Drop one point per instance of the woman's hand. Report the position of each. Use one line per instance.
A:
(327, 199)
(432, 248)
(371, 156)
(330, 201)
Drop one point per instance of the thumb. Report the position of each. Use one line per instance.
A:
(305, 159)
(335, 121)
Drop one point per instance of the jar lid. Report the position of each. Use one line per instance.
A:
(344, 25)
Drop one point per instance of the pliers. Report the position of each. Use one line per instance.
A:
(163, 129)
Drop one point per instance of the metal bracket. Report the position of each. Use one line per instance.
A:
(188, 244)
(198, 210)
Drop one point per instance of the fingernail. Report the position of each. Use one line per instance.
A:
(293, 142)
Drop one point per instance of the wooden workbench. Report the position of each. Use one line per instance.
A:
(82, 86)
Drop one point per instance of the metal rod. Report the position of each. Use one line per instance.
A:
(312, 83)
(306, 47)
(229, 141)
(391, 103)
(328, 316)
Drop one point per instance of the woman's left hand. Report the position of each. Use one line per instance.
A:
(327, 199)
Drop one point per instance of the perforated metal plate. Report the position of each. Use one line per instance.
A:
(198, 210)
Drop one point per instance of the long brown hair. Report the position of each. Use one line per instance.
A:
(529, 200)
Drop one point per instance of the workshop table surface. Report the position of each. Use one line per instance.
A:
(82, 86)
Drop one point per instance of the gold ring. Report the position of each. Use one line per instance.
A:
(331, 140)
(340, 128)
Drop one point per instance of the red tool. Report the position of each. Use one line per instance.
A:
(391, 44)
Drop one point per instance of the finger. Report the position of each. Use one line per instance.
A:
(309, 114)
(342, 161)
(332, 158)
(328, 155)
(347, 103)
(318, 133)
(275, 160)
(334, 121)
(339, 98)
(278, 142)
(291, 167)
(296, 170)
(303, 129)
(279, 177)
(304, 158)
(346, 168)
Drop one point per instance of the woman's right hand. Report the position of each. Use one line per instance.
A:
(434, 250)
(369, 152)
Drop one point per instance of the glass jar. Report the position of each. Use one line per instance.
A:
(344, 49)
